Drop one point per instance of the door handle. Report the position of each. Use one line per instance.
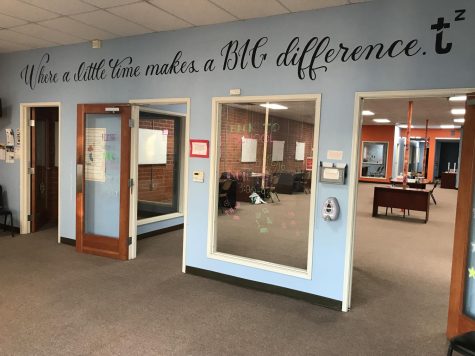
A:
(79, 177)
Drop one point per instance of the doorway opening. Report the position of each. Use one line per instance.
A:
(40, 160)
(403, 255)
(159, 168)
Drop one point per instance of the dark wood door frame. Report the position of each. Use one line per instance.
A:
(458, 322)
(94, 244)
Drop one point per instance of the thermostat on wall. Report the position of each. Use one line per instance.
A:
(198, 176)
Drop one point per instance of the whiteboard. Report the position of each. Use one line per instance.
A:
(152, 147)
(249, 150)
(299, 151)
(278, 151)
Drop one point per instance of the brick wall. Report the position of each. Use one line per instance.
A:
(237, 123)
(155, 181)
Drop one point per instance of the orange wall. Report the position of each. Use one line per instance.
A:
(379, 133)
(432, 134)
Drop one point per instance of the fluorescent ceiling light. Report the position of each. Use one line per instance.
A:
(404, 126)
(451, 127)
(460, 120)
(459, 111)
(274, 106)
(367, 113)
(458, 98)
(382, 121)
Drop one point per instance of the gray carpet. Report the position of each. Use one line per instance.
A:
(54, 301)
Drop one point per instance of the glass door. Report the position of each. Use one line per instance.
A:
(462, 289)
(102, 180)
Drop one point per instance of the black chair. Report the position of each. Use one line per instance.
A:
(5, 212)
(269, 189)
(436, 183)
(223, 199)
(464, 344)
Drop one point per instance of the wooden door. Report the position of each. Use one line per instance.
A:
(102, 180)
(462, 289)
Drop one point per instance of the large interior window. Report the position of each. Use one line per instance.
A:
(373, 159)
(264, 180)
(159, 157)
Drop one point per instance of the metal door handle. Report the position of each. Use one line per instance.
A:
(79, 177)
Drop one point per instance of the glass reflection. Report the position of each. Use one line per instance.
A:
(265, 171)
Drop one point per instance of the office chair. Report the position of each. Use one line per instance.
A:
(223, 200)
(5, 212)
(463, 344)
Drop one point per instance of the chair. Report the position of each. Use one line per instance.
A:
(271, 188)
(307, 182)
(223, 194)
(463, 344)
(5, 212)
(436, 183)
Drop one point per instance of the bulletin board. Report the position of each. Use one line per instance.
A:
(249, 150)
(278, 151)
(152, 146)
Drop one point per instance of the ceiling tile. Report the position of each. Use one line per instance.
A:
(76, 28)
(21, 39)
(109, 3)
(304, 5)
(25, 11)
(111, 23)
(64, 7)
(8, 21)
(6, 47)
(247, 9)
(196, 12)
(45, 33)
(149, 16)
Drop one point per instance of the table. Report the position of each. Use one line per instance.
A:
(448, 180)
(396, 197)
(418, 185)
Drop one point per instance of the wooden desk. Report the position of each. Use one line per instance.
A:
(395, 197)
(448, 180)
(421, 185)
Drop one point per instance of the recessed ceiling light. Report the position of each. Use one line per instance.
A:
(367, 113)
(459, 111)
(274, 106)
(458, 98)
(460, 120)
(451, 127)
(382, 121)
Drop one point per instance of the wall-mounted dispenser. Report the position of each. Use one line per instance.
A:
(331, 209)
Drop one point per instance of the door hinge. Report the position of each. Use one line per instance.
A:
(31, 170)
(32, 123)
(28, 218)
(131, 123)
(131, 183)
(130, 240)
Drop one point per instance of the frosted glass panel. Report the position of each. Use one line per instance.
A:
(102, 175)
(470, 279)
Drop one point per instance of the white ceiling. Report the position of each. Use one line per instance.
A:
(436, 110)
(28, 24)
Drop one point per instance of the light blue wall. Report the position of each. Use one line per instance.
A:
(361, 24)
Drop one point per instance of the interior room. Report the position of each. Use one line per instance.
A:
(265, 173)
(400, 249)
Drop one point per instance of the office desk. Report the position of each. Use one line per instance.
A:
(421, 185)
(395, 197)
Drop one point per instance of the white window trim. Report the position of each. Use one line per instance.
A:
(214, 165)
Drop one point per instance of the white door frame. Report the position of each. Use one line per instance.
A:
(25, 161)
(353, 174)
(183, 198)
